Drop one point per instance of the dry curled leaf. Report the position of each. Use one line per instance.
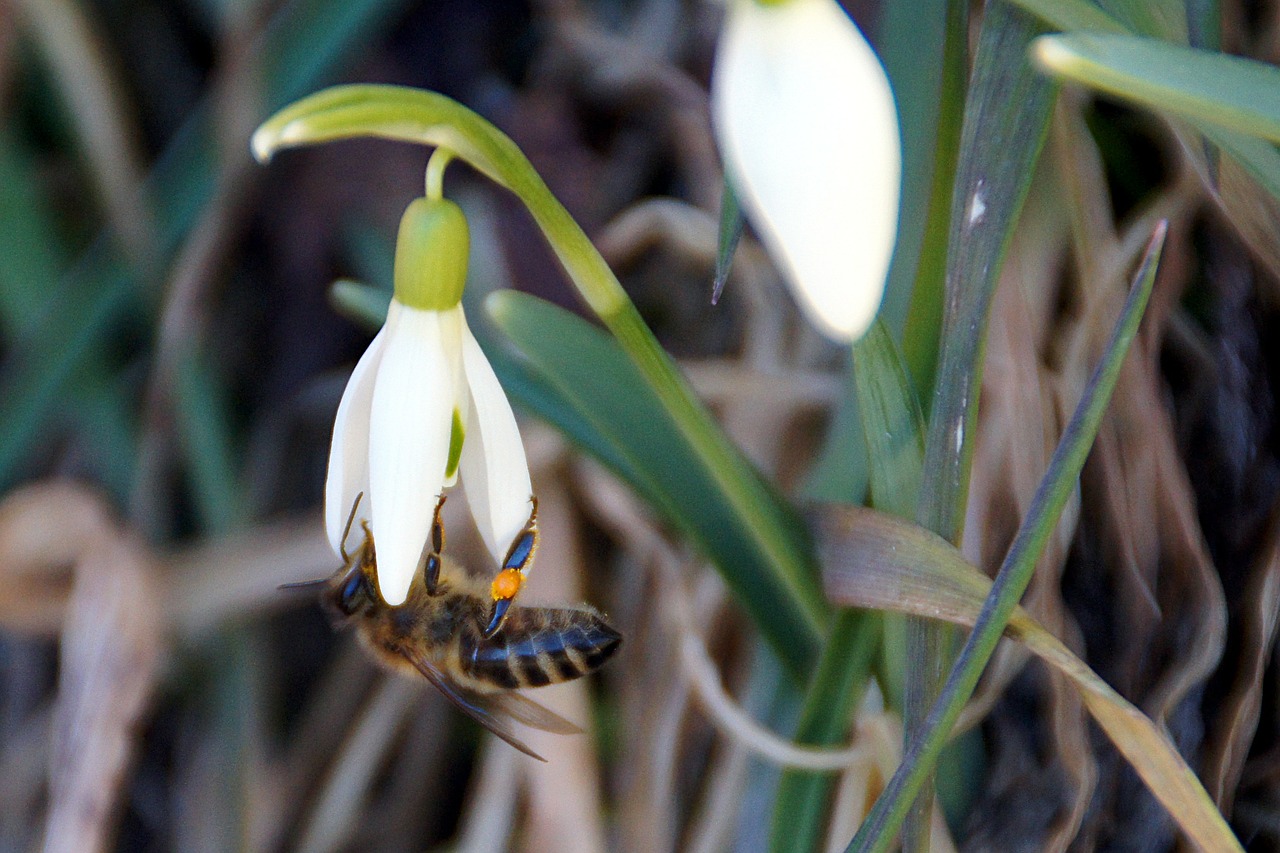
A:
(877, 561)
(112, 639)
(45, 530)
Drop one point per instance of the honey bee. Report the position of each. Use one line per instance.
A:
(448, 632)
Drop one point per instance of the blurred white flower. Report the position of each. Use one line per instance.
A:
(423, 408)
(807, 127)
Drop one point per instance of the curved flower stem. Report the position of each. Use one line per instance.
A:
(428, 118)
(439, 161)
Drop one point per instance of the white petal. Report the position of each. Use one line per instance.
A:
(807, 126)
(494, 469)
(349, 449)
(408, 443)
(453, 327)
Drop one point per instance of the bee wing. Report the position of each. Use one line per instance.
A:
(469, 703)
(522, 709)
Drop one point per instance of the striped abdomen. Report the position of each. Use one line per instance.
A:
(536, 646)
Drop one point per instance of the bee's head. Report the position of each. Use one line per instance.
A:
(353, 592)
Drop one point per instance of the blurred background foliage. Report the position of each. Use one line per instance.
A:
(170, 363)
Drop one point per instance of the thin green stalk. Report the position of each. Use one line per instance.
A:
(731, 224)
(920, 337)
(1005, 120)
(878, 831)
(894, 430)
(894, 426)
(803, 800)
(929, 646)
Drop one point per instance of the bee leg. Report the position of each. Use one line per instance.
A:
(346, 531)
(366, 553)
(431, 558)
(515, 568)
(505, 587)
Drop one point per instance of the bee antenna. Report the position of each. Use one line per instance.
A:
(304, 584)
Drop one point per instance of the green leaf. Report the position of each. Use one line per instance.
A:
(1006, 119)
(205, 438)
(618, 411)
(106, 424)
(308, 38)
(1165, 19)
(1204, 24)
(927, 58)
(731, 225)
(39, 375)
(803, 800)
(881, 826)
(840, 473)
(894, 427)
(363, 304)
(32, 255)
(1256, 218)
(1072, 15)
(891, 421)
(1246, 176)
(1199, 85)
(894, 431)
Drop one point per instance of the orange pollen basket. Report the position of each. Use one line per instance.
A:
(507, 584)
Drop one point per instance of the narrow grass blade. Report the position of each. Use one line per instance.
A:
(1072, 15)
(363, 304)
(800, 809)
(107, 423)
(891, 420)
(894, 429)
(874, 560)
(1199, 85)
(308, 37)
(731, 225)
(1015, 573)
(28, 395)
(205, 439)
(1204, 24)
(1164, 19)
(71, 341)
(927, 57)
(94, 100)
(1006, 118)
(840, 473)
(32, 253)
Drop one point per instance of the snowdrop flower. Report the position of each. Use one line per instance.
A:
(423, 408)
(808, 131)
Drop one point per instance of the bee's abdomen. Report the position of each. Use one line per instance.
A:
(538, 646)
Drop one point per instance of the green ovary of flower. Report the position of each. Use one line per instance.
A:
(431, 255)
